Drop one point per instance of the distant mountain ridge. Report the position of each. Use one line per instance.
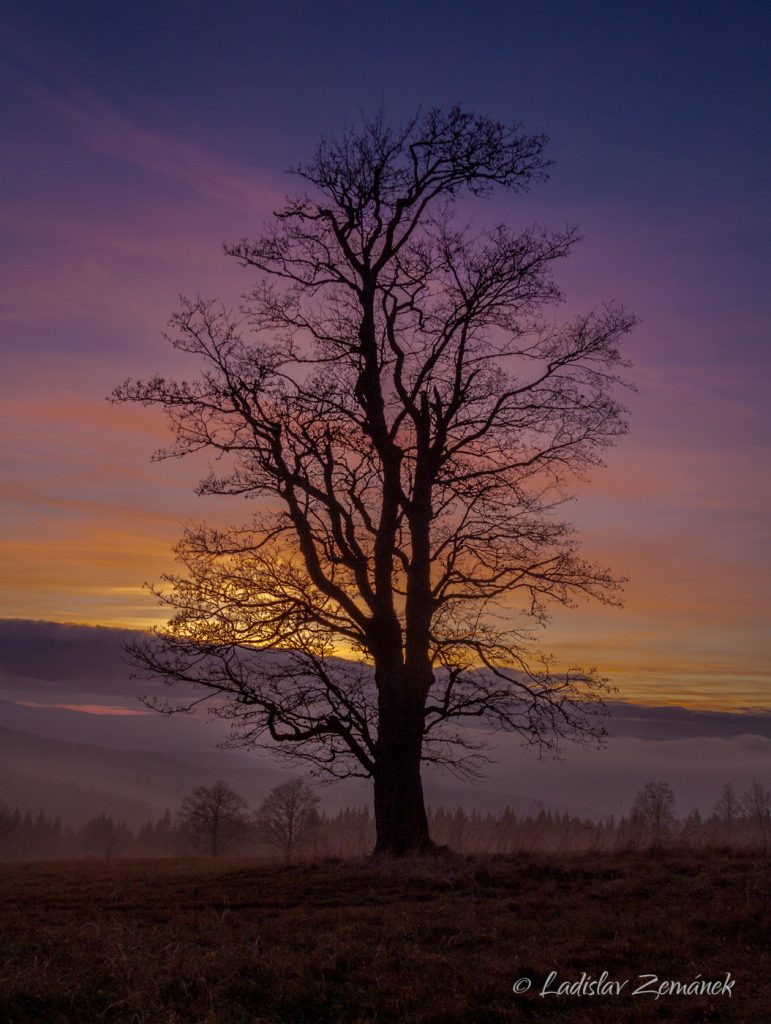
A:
(78, 780)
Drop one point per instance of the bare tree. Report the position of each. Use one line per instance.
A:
(727, 810)
(214, 819)
(653, 811)
(288, 818)
(756, 801)
(406, 415)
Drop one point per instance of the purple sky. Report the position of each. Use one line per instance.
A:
(138, 138)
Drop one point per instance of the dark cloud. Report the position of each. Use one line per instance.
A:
(672, 722)
(53, 652)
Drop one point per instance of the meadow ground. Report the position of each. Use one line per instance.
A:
(154, 942)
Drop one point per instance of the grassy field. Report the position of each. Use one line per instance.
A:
(157, 942)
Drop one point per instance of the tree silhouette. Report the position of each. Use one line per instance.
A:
(727, 810)
(653, 811)
(756, 802)
(406, 416)
(214, 818)
(288, 817)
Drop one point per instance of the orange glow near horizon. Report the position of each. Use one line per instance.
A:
(81, 540)
(94, 520)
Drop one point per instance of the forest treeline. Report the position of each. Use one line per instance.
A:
(216, 821)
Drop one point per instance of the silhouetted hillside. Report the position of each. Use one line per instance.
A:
(77, 781)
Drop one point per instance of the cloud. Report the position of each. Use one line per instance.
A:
(675, 722)
(85, 709)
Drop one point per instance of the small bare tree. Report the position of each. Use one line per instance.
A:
(408, 417)
(652, 812)
(288, 818)
(756, 802)
(214, 819)
(727, 811)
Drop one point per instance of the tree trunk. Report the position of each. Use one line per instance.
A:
(400, 813)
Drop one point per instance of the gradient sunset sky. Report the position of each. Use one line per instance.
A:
(137, 138)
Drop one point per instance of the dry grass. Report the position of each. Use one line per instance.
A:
(158, 942)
